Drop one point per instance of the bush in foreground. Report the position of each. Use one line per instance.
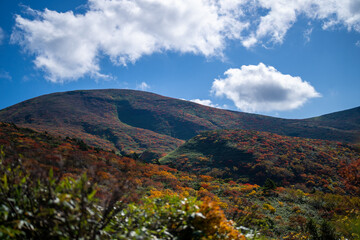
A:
(47, 208)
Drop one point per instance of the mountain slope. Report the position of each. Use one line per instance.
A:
(131, 120)
(89, 115)
(253, 156)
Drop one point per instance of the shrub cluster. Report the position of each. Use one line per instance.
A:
(48, 208)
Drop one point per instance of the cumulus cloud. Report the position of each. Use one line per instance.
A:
(282, 14)
(68, 46)
(143, 86)
(255, 88)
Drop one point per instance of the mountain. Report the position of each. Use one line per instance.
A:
(129, 120)
(274, 212)
(252, 156)
(93, 116)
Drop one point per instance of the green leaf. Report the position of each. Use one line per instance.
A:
(91, 195)
(23, 180)
(5, 182)
(51, 174)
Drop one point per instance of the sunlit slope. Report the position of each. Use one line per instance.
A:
(252, 156)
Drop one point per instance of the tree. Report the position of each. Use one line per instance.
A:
(269, 185)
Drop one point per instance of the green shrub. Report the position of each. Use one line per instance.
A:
(35, 209)
(47, 208)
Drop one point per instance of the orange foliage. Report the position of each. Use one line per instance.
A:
(215, 222)
(206, 178)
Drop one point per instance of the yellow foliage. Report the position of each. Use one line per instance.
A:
(252, 193)
(269, 207)
(248, 187)
(158, 194)
(186, 178)
(165, 174)
(185, 194)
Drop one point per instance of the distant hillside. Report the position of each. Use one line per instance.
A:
(128, 120)
(347, 120)
(252, 156)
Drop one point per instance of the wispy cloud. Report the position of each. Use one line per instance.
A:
(5, 75)
(143, 86)
(2, 36)
(307, 34)
(255, 88)
(68, 46)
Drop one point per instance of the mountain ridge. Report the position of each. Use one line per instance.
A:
(130, 120)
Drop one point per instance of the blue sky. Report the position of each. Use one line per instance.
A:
(291, 59)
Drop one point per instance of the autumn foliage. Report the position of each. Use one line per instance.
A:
(256, 156)
(220, 207)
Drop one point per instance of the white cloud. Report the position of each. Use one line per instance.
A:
(143, 86)
(2, 35)
(68, 46)
(282, 14)
(255, 88)
(208, 102)
(205, 102)
(357, 43)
